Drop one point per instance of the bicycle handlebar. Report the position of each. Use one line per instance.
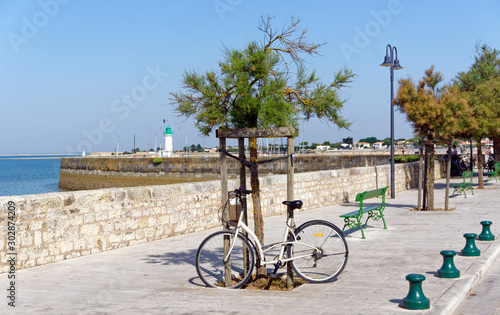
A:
(240, 191)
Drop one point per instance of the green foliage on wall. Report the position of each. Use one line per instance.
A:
(405, 158)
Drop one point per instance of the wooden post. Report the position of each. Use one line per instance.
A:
(289, 196)
(223, 175)
(253, 134)
(224, 198)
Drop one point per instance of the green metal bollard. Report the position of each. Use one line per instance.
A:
(448, 270)
(470, 248)
(415, 300)
(486, 234)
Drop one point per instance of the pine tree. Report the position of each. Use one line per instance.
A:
(478, 83)
(264, 85)
(436, 115)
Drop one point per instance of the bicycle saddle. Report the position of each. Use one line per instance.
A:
(296, 204)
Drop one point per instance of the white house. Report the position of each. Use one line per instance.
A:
(363, 145)
(379, 145)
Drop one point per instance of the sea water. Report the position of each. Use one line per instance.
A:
(23, 175)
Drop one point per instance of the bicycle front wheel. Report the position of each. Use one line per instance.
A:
(210, 260)
(320, 253)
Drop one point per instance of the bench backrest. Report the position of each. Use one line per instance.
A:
(468, 174)
(497, 167)
(371, 194)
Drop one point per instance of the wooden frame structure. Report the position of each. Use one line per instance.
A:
(241, 134)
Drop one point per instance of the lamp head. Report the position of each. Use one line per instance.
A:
(397, 66)
(387, 62)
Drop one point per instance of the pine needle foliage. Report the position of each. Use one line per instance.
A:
(480, 86)
(435, 113)
(264, 85)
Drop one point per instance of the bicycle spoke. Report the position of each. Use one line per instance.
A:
(327, 250)
(210, 261)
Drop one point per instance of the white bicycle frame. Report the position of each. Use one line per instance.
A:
(288, 231)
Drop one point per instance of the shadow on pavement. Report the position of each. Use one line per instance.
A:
(179, 258)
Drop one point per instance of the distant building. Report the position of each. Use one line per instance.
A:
(363, 145)
(379, 145)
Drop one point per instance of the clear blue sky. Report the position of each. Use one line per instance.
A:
(81, 75)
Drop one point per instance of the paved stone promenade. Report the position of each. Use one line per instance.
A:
(160, 277)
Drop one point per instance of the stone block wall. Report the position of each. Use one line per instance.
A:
(79, 173)
(58, 226)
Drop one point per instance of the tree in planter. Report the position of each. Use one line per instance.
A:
(435, 115)
(455, 121)
(264, 85)
(478, 83)
(484, 120)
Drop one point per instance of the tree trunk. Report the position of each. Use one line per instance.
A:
(420, 173)
(257, 210)
(480, 181)
(496, 149)
(448, 174)
(426, 166)
(429, 176)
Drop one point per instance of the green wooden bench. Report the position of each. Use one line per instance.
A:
(353, 219)
(494, 174)
(465, 185)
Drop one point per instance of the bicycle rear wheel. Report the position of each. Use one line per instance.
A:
(210, 260)
(321, 252)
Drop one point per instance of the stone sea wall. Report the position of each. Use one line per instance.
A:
(79, 173)
(57, 226)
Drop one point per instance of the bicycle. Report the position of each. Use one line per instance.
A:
(316, 250)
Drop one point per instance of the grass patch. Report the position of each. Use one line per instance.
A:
(157, 161)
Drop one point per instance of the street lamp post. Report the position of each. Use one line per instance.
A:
(391, 60)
